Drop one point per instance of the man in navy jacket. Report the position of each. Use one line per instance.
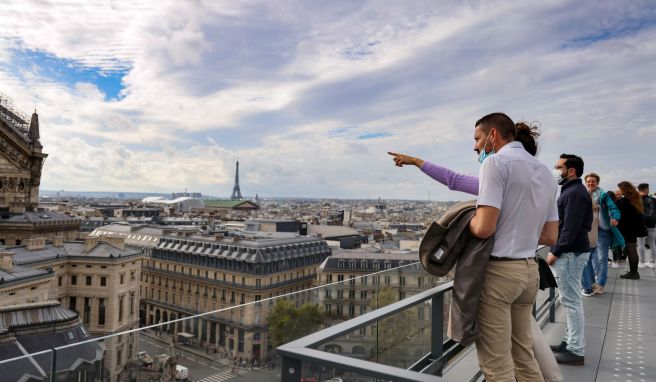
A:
(570, 254)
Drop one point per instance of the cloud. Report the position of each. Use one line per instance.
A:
(310, 96)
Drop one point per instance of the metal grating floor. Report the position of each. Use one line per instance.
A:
(620, 331)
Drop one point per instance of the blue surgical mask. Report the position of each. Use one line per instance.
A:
(483, 154)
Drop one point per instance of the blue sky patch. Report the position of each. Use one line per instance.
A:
(611, 33)
(68, 72)
(372, 136)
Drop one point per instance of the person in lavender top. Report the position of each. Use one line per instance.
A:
(526, 134)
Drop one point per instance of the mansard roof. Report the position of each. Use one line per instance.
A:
(254, 250)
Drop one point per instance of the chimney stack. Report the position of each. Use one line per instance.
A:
(7, 261)
(58, 241)
(34, 243)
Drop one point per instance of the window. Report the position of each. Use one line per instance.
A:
(73, 280)
(72, 302)
(101, 311)
(340, 264)
(132, 297)
(363, 280)
(120, 308)
(363, 295)
(401, 295)
(352, 264)
(258, 283)
(60, 281)
(132, 273)
(87, 280)
(340, 278)
(351, 279)
(351, 294)
(340, 294)
(420, 282)
(330, 278)
(388, 280)
(103, 281)
(328, 293)
(87, 311)
(376, 265)
(351, 310)
(401, 280)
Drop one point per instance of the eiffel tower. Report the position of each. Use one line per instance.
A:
(236, 192)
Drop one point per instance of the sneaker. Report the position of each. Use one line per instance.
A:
(642, 265)
(587, 292)
(599, 290)
(559, 348)
(649, 265)
(615, 265)
(568, 358)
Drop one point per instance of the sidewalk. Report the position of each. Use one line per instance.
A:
(195, 349)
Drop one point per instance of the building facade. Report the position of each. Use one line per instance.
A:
(186, 276)
(97, 280)
(361, 280)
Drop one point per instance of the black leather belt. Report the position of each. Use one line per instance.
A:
(495, 258)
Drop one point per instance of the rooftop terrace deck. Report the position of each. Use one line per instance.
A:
(620, 334)
(620, 331)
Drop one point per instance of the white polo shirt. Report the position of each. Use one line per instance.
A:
(524, 190)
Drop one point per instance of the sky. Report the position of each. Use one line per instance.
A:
(310, 96)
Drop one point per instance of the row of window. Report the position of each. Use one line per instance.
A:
(88, 279)
(101, 319)
(375, 280)
(224, 277)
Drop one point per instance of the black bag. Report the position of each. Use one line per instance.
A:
(547, 279)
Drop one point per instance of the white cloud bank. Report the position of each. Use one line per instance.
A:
(288, 87)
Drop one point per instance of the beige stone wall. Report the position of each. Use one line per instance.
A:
(161, 289)
(31, 291)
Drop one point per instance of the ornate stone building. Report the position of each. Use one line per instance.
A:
(188, 275)
(97, 280)
(21, 162)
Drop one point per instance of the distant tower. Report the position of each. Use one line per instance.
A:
(236, 192)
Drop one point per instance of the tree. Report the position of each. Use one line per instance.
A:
(287, 323)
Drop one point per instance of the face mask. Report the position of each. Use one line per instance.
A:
(483, 154)
(560, 178)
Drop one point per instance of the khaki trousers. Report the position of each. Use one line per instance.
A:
(505, 344)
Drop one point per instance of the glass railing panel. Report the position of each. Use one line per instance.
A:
(16, 365)
(214, 338)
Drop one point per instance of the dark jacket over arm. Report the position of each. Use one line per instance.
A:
(575, 219)
(448, 243)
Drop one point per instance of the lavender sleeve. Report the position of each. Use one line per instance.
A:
(453, 180)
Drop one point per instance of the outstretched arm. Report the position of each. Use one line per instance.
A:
(451, 179)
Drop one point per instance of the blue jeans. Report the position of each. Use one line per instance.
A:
(600, 256)
(588, 276)
(569, 268)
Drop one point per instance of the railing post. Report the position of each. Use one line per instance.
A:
(552, 307)
(437, 328)
(291, 370)
(53, 365)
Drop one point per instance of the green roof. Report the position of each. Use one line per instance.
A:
(227, 203)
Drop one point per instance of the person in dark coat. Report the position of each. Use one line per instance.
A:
(631, 224)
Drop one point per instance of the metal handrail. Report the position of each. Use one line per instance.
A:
(428, 368)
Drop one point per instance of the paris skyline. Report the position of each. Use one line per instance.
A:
(310, 97)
